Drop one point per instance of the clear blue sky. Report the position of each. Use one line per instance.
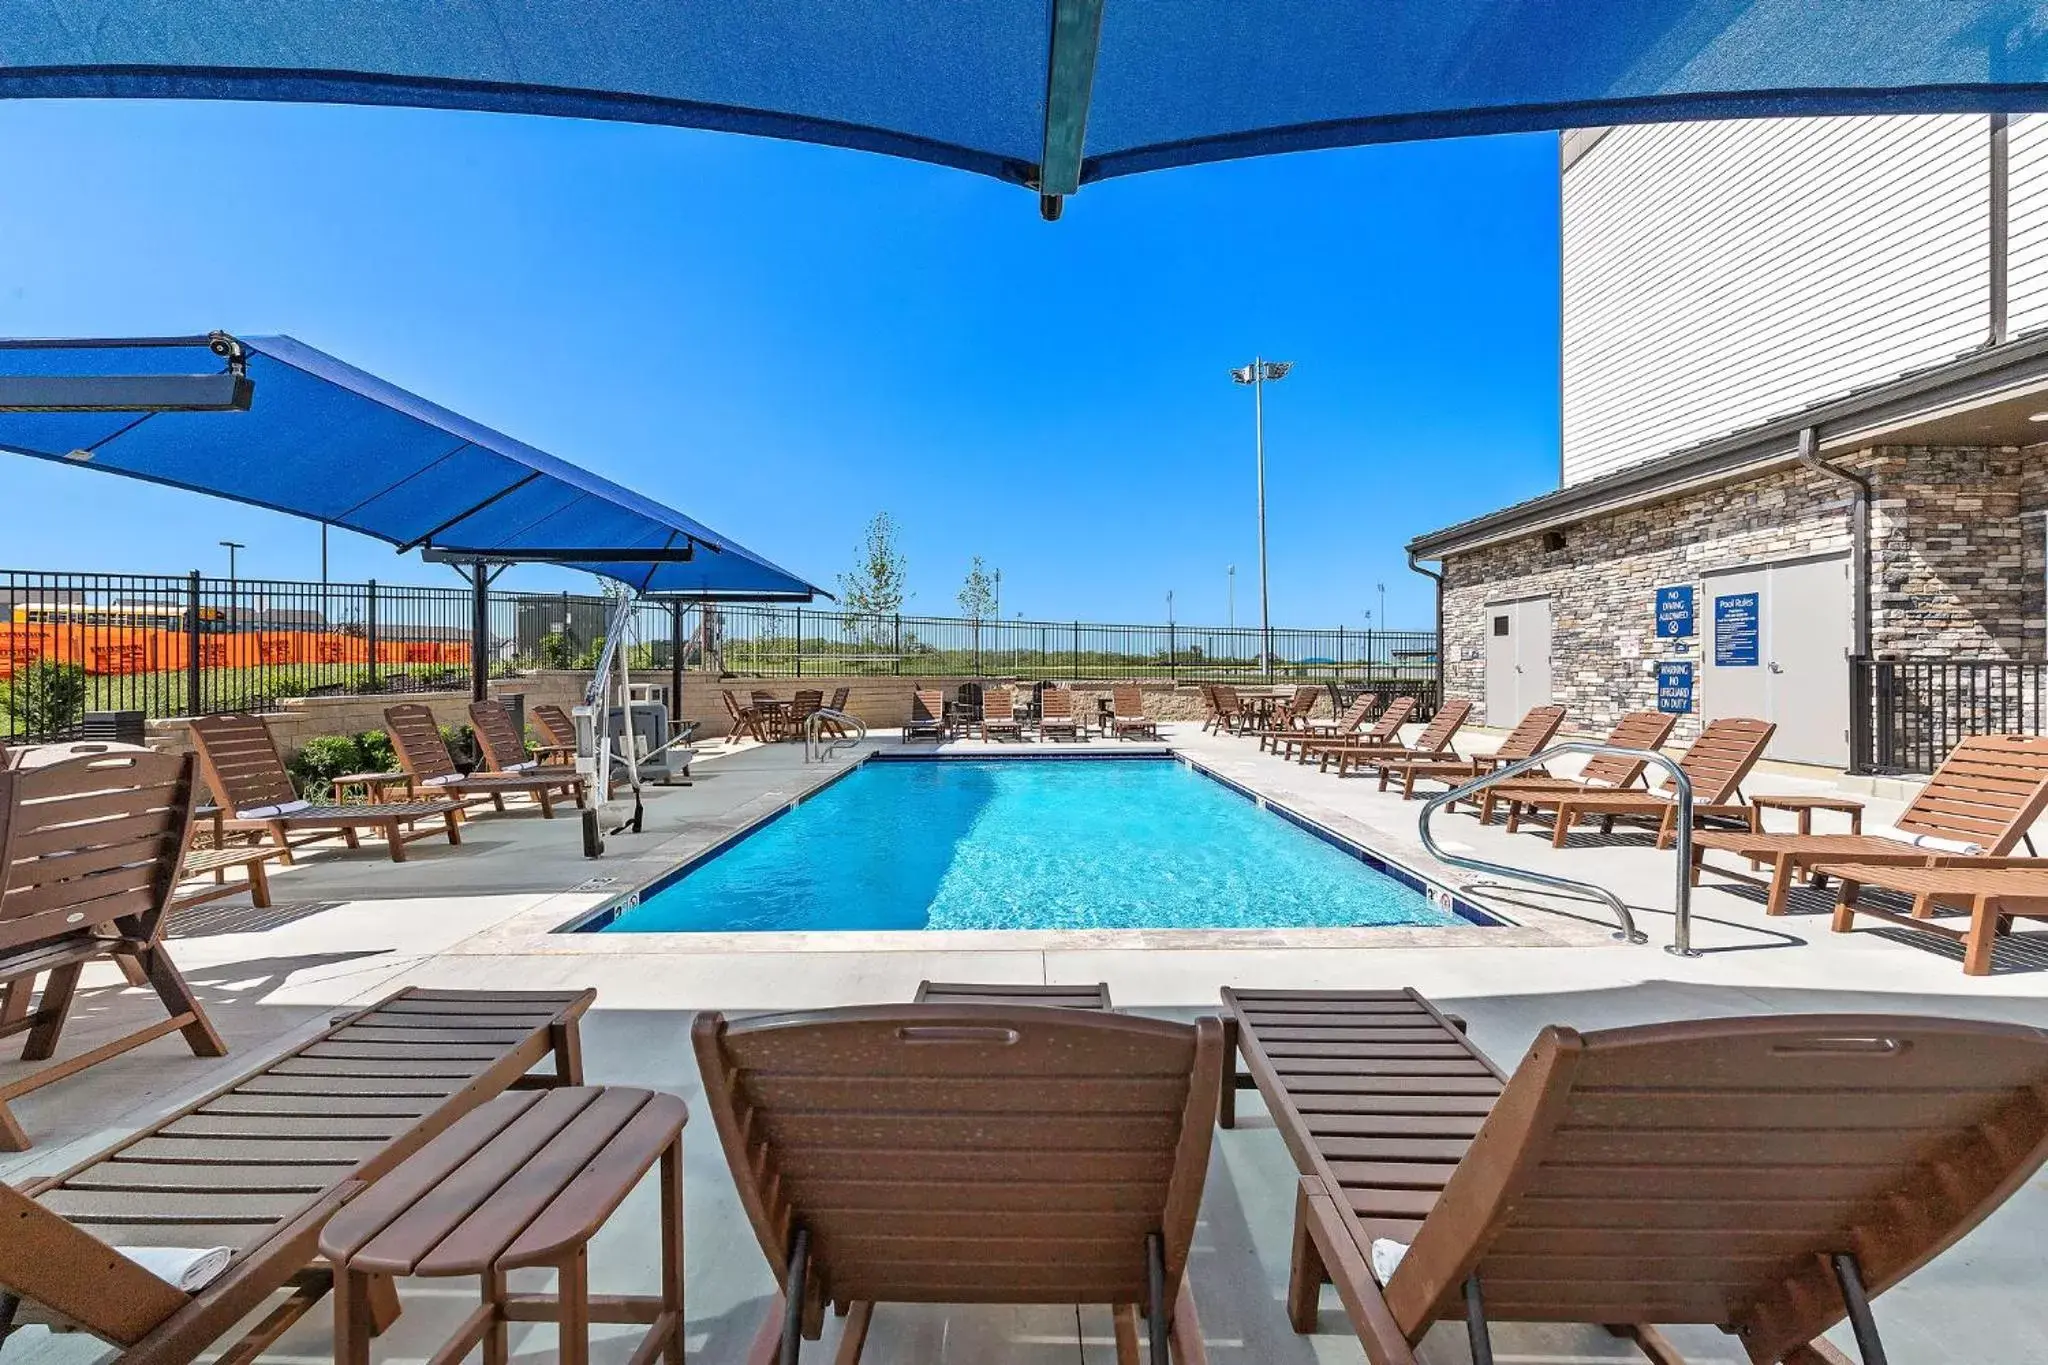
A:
(783, 340)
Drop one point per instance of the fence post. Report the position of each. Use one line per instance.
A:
(1172, 656)
(799, 642)
(370, 631)
(977, 648)
(896, 657)
(1077, 651)
(192, 644)
(675, 659)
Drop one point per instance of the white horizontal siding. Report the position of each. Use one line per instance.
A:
(1720, 274)
(2027, 224)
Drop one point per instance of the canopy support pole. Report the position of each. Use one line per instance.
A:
(1069, 86)
(480, 575)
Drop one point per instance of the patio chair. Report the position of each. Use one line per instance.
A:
(1212, 709)
(1527, 739)
(1129, 716)
(1383, 733)
(1233, 711)
(831, 725)
(256, 1168)
(998, 714)
(423, 753)
(746, 720)
(244, 771)
(1289, 718)
(1715, 763)
(1056, 714)
(89, 855)
(967, 1153)
(802, 704)
(1362, 709)
(1757, 1175)
(927, 716)
(1982, 800)
(1435, 741)
(1643, 730)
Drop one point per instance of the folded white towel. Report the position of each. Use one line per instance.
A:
(189, 1268)
(528, 766)
(266, 812)
(1386, 1257)
(1933, 843)
(445, 779)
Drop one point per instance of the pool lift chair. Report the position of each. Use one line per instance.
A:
(607, 734)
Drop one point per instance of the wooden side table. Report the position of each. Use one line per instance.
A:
(1805, 806)
(373, 787)
(524, 1180)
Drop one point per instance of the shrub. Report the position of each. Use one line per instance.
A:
(461, 742)
(378, 755)
(320, 760)
(46, 699)
(557, 650)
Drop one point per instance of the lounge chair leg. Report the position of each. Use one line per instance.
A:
(1124, 1319)
(352, 1319)
(1561, 827)
(1850, 1278)
(52, 1009)
(567, 1040)
(259, 884)
(853, 1339)
(380, 1302)
(1983, 934)
(453, 819)
(13, 1137)
(1188, 1347)
(1781, 883)
(1156, 1310)
(284, 845)
(1475, 1324)
(131, 970)
(1655, 1346)
(394, 839)
(1306, 1273)
(1845, 907)
(547, 805)
(1226, 1095)
(496, 1346)
(172, 989)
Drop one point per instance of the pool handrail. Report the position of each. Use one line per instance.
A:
(1681, 932)
(814, 725)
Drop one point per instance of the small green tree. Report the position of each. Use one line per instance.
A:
(876, 586)
(46, 699)
(977, 597)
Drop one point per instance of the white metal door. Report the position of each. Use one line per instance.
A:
(1777, 642)
(1500, 662)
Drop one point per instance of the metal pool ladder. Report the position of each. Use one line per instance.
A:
(815, 747)
(1681, 931)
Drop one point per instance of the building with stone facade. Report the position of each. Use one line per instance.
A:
(1804, 386)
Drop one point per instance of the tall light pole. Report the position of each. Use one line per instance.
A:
(1258, 374)
(234, 598)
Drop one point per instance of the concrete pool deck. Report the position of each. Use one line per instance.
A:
(348, 928)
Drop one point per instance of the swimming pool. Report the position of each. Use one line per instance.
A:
(1018, 843)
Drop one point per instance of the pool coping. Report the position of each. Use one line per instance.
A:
(587, 925)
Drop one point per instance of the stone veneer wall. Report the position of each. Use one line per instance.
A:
(1954, 571)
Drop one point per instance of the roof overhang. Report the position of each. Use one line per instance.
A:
(1984, 398)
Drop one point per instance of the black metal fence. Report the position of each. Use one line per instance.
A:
(169, 645)
(1906, 714)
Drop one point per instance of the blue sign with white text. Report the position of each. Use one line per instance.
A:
(1674, 612)
(1735, 630)
(1674, 688)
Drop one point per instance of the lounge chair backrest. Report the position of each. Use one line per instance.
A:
(503, 748)
(1056, 703)
(416, 739)
(1531, 733)
(1388, 726)
(1304, 701)
(1721, 757)
(1355, 714)
(560, 729)
(1637, 730)
(1703, 1172)
(1226, 698)
(91, 841)
(998, 703)
(1128, 701)
(1988, 791)
(240, 762)
(840, 695)
(927, 705)
(989, 1152)
(1443, 726)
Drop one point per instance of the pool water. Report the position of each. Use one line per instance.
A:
(1023, 844)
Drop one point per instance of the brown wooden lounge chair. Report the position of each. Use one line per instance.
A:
(999, 714)
(89, 856)
(746, 720)
(831, 725)
(1731, 1172)
(1056, 713)
(1716, 762)
(1991, 891)
(201, 863)
(1524, 741)
(927, 716)
(560, 728)
(1128, 716)
(503, 749)
(1366, 706)
(1645, 730)
(1435, 741)
(1987, 794)
(1383, 733)
(416, 739)
(242, 767)
(967, 1154)
(259, 1165)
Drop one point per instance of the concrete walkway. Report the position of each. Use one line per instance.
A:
(351, 927)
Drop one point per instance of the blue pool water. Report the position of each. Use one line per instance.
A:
(1018, 844)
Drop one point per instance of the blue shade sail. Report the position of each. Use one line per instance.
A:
(324, 440)
(976, 83)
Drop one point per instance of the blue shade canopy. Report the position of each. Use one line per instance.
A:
(324, 440)
(1054, 93)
